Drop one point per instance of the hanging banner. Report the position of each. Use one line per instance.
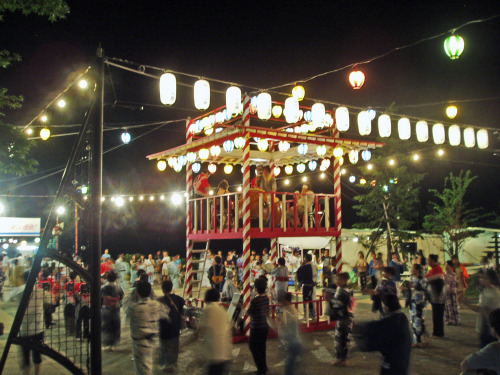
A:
(19, 226)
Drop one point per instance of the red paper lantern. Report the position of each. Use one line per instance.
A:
(357, 78)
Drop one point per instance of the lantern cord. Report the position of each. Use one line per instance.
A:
(386, 53)
(442, 102)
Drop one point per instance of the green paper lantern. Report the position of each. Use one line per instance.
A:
(454, 46)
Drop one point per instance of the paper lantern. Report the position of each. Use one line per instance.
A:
(227, 114)
(191, 157)
(161, 165)
(201, 94)
(168, 89)
(451, 111)
(384, 126)
(307, 116)
(321, 150)
(288, 169)
(362, 181)
(438, 133)
(263, 145)
(342, 119)
(264, 106)
(212, 168)
(228, 146)
(454, 135)
(44, 134)
(228, 168)
(291, 110)
(341, 160)
(313, 164)
(298, 92)
(422, 130)
(276, 171)
(325, 164)
(239, 142)
(171, 161)
(318, 114)
(372, 113)
(366, 155)
(203, 154)
(215, 150)
(338, 152)
(277, 111)
(482, 139)
(352, 179)
(182, 160)
(302, 149)
(328, 119)
(233, 100)
(469, 137)
(177, 167)
(364, 123)
(283, 146)
(301, 167)
(125, 137)
(353, 156)
(454, 46)
(357, 79)
(404, 128)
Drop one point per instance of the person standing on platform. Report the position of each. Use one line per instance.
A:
(259, 312)
(281, 275)
(216, 274)
(307, 275)
(435, 281)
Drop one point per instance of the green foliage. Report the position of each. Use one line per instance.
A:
(53, 9)
(396, 187)
(450, 214)
(14, 152)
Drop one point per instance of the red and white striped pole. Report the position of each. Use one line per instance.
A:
(246, 213)
(338, 206)
(189, 218)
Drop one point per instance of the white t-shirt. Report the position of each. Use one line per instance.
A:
(217, 330)
(150, 267)
(165, 265)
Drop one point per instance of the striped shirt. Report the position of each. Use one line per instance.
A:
(259, 311)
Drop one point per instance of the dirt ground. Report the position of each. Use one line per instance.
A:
(441, 357)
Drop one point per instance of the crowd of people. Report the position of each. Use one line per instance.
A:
(156, 322)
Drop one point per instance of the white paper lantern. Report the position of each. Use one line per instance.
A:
(353, 156)
(276, 171)
(191, 156)
(366, 155)
(177, 167)
(454, 135)
(422, 130)
(404, 128)
(228, 168)
(201, 94)
(342, 119)
(239, 142)
(215, 150)
(469, 137)
(264, 106)
(203, 154)
(364, 123)
(291, 110)
(262, 145)
(288, 169)
(301, 167)
(482, 138)
(325, 164)
(283, 146)
(182, 160)
(168, 88)
(321, 150)
(212, 168)
(228, 146)
(438, 133)
(384, 126)
(233, 100)
(196, 167)
(313, 164)
(318, 114)
(307, 116)
(302, 149)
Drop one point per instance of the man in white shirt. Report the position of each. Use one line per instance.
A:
(229, 287)
(150, 268)
(164, 265)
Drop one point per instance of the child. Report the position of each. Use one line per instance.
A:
(258, 312)
(418, 302)
(281, 275)
(341, 311)
(387, 286)
(451, 314)
(289, 333)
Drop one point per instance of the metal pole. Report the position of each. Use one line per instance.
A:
(95, 226)
(76, 229)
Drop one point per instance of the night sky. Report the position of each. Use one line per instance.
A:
(253, 44)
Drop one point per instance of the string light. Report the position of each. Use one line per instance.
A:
(83, 84)
(440, 152)
(44, 118)
(416, 157)
(61, 103)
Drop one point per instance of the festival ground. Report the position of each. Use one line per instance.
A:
(441, 357)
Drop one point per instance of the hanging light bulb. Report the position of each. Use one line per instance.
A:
(168, 89)
(228, 168)
(277, 111)
(126, 137)
(191, 157)
(298, 92)
(357, 79)
(215, 150)
(321, 150)
(228, 146)
(233, 100)
(29, 131)
(203, 154)
(283, 146)
(353, 156)
(212, 168)
(451, 112)
(288, 169)
(239, 142)
(264, 106)
(301, 167)
(201, 94)
(302, 149)
(263, 145)
(342, 119)
(313, 164)
(366, 155)
(196, 167)
(338, 152)
(45, 134)
(277, 171)
(161, 165)
(454, 46)
(61, 103)
(44, 118)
